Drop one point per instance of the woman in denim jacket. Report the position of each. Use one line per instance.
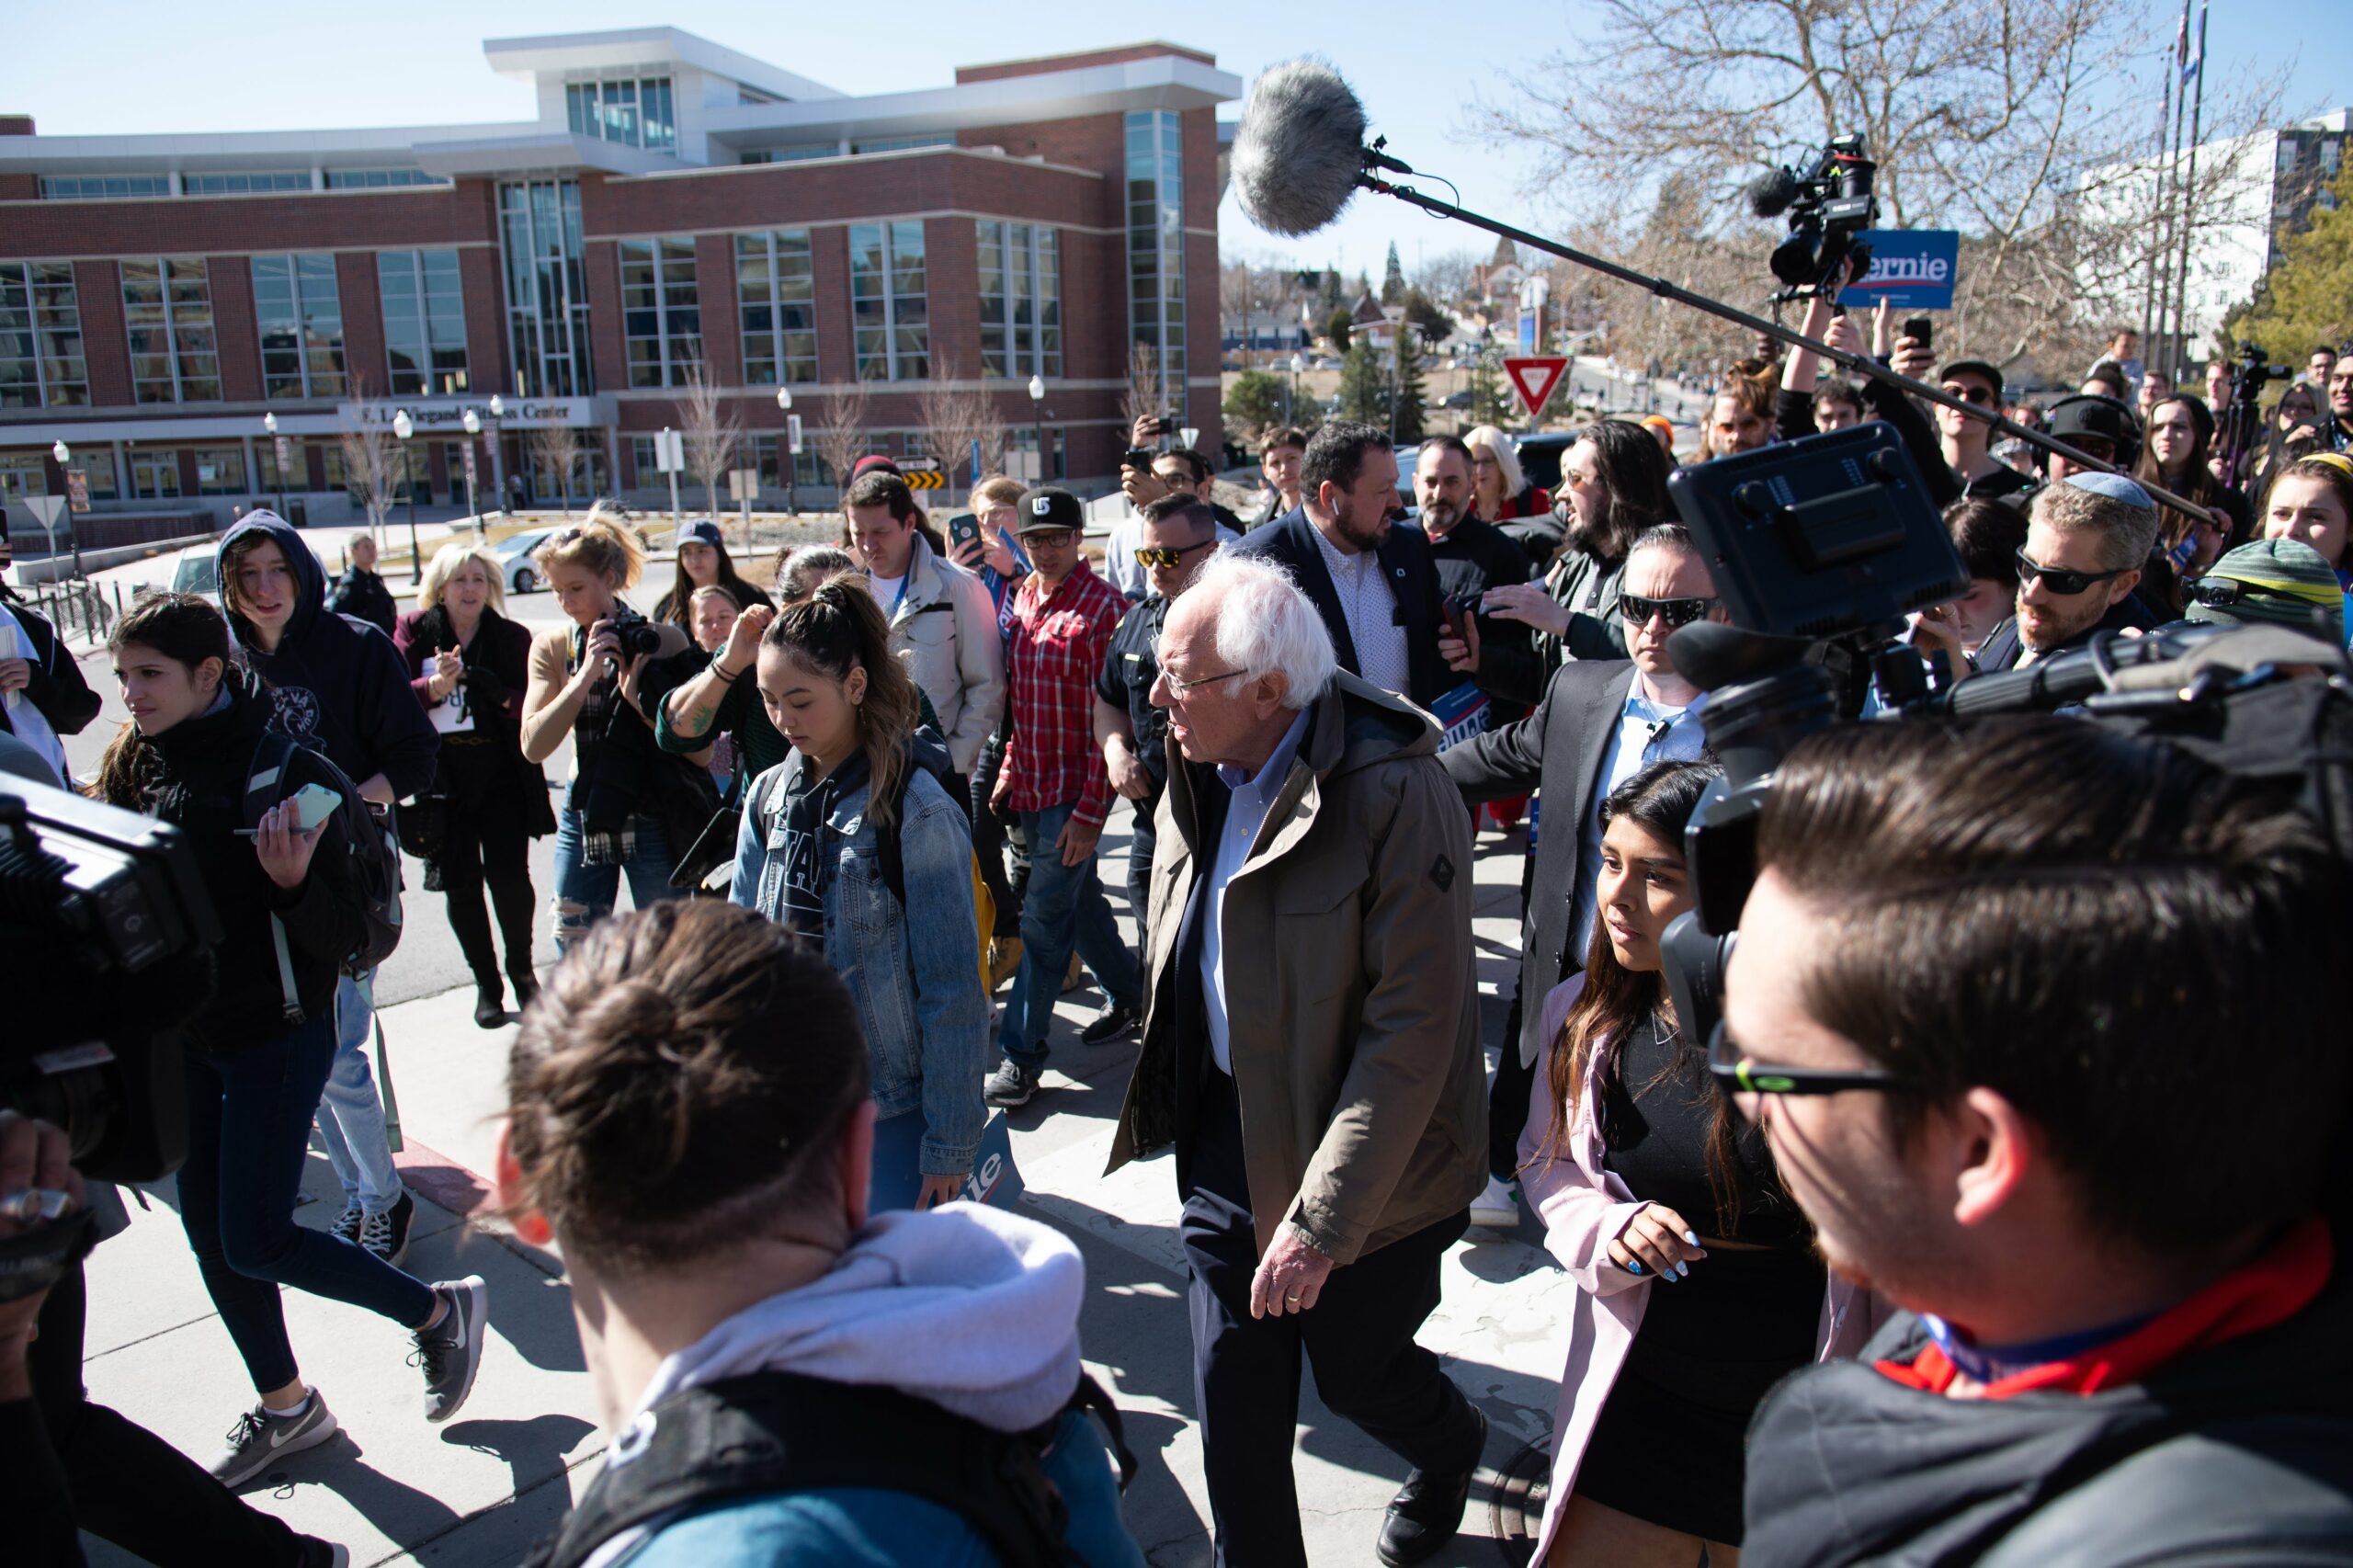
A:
(812, 855)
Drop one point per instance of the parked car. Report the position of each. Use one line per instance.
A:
(1457, 399)
(514, 563)
(195, 569)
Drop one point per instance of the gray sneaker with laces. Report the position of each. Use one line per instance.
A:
(451, 1351)
(259, 1441)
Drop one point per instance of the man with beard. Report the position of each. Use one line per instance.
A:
(2087, 540)
(2340, 405)
(1375, 587)
(1992, 1000)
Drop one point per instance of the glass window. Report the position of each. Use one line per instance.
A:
(901, 144)
(219, 471)
(654, 102)
(775, 294)
(808, 468)
(40, 336)
(243, 182)
(632, 111)
(547, 295)
(379, 179)
(300, 311)
(794, 154)
(154, 473)
(661, 318)
(1156, 245)
(889, 306)
(1020, 303)
(424, 322)
(167, 308)
(99, 187)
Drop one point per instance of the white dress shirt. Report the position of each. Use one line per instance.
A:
(1245, 812)
(1647, 731)
(1369, 604)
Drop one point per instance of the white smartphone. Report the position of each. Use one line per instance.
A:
(313, 804)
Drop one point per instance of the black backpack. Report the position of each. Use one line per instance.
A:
(779, 1432)
(374, 857)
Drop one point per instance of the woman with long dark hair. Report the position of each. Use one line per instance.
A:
(257, 1051)
(2177, 441)
(855, 843)
(469, 664)
(1699, 1285)
(1614, 481)
(703, 563)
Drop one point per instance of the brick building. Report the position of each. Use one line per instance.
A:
(674, 204)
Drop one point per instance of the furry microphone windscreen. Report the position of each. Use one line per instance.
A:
(1299, 148)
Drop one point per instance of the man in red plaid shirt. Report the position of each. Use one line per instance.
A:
(1062, 617)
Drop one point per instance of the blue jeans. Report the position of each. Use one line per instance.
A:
(351, 1114)
(586, 894)
(1064, 908)
(248, 1133)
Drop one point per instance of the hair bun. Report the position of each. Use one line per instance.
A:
(632, 1021)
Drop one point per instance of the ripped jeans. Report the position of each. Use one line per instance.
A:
(586, 894)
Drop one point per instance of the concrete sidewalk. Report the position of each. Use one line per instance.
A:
(480, 1490)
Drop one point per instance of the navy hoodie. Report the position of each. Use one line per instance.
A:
(338, 683)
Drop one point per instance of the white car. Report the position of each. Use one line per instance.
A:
(195, 569)
(514, 563)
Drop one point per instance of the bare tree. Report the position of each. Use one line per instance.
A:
(1448, 276)
(713, 434)
(2005, 122)
(371, 472)
(954, 419)
(841, 434)
(557, 448)
(1146, 392)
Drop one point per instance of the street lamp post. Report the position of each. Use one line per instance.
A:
(1038, 417)
(497, 450)
(403, 427)
(1290, 409)
(791, 465)
(277, 458)
(472, 423)
(64, 454)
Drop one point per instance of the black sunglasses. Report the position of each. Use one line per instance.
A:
(2063, 583)
(1969, 393)
(1168, 554)
(1740, 1076)
(1638, 610)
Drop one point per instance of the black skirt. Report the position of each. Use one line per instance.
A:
(1670, 1444)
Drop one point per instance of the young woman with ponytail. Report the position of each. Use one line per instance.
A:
(1700, 1287)
(255, 1064)
(843, 843)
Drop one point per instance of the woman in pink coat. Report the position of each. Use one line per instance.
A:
(1699, 1284)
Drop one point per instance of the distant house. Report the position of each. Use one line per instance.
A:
(1498, 281)
(1376, 323)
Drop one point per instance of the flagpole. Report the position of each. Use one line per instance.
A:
(2156, 348)
(2189, 189)
(2160, 248)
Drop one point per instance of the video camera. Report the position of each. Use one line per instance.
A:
(106, 949)
(1828, 205)
(2241, 418)
(1819, 547)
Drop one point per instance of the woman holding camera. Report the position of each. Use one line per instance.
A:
(823, 832)
(586, 681)
(290, 911)
(468, 663)
(1700, 1287)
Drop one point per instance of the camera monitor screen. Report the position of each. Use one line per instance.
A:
(1819, 536)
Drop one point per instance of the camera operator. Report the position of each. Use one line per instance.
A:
(2087, 543)
(1993, 1004)
(628, 797)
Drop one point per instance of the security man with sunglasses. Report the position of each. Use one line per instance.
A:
(1601, 721)
(1179, 533)
(2087, 540)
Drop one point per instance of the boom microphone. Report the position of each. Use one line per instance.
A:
(1300, 147)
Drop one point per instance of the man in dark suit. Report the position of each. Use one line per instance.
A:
(1600, 723)
(1374, 585)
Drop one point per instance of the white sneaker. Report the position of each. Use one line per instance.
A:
(1497, 1209)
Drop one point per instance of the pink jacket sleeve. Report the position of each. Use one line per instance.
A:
(1583, 1206)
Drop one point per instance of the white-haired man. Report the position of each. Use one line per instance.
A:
(1308, 826)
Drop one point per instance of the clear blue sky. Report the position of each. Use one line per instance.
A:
(131, 66)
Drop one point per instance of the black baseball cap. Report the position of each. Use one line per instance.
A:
(1048, 508)
(1977, 368)
(702, 530)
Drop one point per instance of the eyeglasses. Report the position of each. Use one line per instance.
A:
(1048, 538)
(1638, 610)
(1178, 688)
(1738, 1074)
(2223, 591)
(2065, 584)
(2098, 446)
(1168, 554)
(1976, 395)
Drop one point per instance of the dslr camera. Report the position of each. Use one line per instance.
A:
(1828, 205)
(639, 637)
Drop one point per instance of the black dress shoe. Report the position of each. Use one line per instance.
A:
(1426, 1513)
(490, 1007)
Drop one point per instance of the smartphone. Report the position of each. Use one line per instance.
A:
(963, 528)
(1921, 330)
(313, 804)
(1457, 610)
